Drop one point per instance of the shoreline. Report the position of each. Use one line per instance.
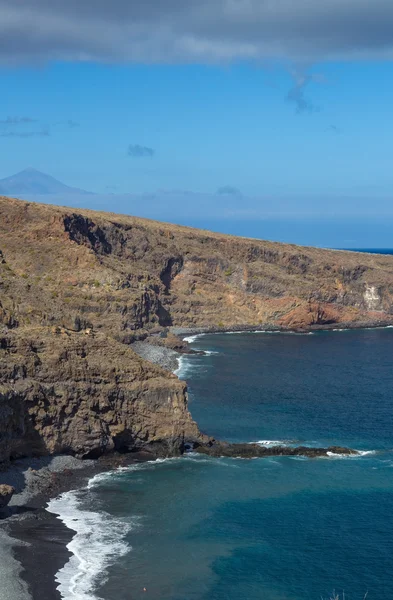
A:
(169, 359)
(268, 328)
(34, 541)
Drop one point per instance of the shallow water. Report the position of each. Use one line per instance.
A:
(198, 528)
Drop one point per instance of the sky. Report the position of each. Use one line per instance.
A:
(219, 113)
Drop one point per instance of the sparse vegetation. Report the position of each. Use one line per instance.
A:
(209, 281)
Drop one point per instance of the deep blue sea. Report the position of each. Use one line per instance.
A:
(198, 528)
(373, 250)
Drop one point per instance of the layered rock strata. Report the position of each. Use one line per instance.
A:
(86, 396)
(78, 287)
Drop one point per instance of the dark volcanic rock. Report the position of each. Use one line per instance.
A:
(226, 449)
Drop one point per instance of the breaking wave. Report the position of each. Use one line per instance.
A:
(98, 542)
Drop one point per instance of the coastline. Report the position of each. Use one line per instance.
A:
(169, 359)
(33, 541)
(183, 332)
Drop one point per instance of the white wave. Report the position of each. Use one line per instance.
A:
(184, 366)
(266, 331)
(269, 331)
(147, 464)
(190, 339)
(177, 371)
(293, 332)
(209, 352)
(98, 543)
(359, 454)
(270, 443)
(188, 362)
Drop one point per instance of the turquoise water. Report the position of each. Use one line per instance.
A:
(197, 528)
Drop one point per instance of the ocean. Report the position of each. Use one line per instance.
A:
(199, 528)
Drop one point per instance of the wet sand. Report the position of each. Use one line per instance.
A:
(33, 542)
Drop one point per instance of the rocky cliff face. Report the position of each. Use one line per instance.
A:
(77, 286)
(86, 396)
(80, 269)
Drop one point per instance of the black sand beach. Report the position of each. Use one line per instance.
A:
(33, 542)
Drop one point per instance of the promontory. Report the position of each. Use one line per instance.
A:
(78, 287)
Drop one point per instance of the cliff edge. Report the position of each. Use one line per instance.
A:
(77, 287)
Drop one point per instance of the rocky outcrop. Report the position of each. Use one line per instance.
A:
(225, 449)
(77, 287)
(87, 396)
(6, 493)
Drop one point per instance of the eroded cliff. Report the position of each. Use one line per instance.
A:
(86, 395)
(77, 286)
(81, 269)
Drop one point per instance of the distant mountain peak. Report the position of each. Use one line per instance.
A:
(30, 170)
(32, 181)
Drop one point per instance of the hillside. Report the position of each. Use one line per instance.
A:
(118, 274)
(77, 286)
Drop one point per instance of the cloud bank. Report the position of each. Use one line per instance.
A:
(207, 31)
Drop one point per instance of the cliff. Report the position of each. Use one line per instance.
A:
(83, 269)
(86, 395)
(77, 286)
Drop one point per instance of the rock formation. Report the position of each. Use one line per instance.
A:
(6, 493)
(77, 287)
(217, 449)
(86, 396)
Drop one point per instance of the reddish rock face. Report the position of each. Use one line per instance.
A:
(311, 313)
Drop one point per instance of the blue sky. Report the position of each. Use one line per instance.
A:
(296, 136)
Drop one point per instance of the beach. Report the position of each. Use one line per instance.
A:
(33, 541)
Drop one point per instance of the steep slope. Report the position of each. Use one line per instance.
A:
(77, 286)
(86, 395)
(119, 274)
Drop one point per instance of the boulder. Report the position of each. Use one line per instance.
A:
(6, 493)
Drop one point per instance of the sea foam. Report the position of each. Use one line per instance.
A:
(271, 443)
(359, 454)
(98, 543)
(182, 366)
(190, 339)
